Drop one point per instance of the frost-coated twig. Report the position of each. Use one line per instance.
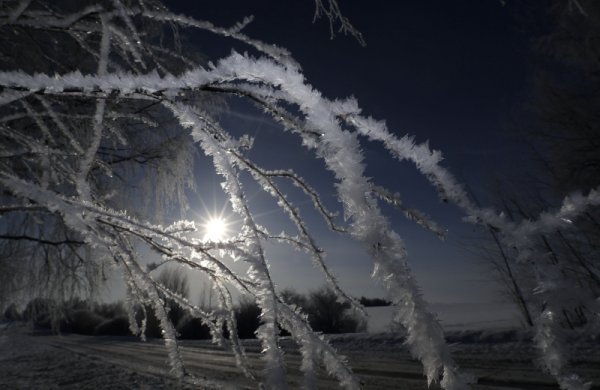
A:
(516, 236)
(44, 180)
(258, 269)
(263, 178)
(127, 258)
(301, 183)
(83, 186)
(142, 283)
(9, 96)
(342, 155)
(14, 15)
(277, 53)
(411, 214)
(213, 268)
(333, 13)
(39, 19)
(61, 125)
(238, 350)
(314, 348)
(127, 46)
(137, 42)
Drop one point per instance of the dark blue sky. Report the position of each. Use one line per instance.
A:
(455, 73)
(451, 72)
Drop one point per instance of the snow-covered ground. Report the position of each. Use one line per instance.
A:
(27, 363)
(499, 359)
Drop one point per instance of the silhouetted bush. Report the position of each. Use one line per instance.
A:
(110, 310)
(327, 315)
(193, 329)
(247, 316)
(291, 297)
(153, 329)
(76, 304)
(11, 313)
(118, 326)
(81, 322)
(39, 312)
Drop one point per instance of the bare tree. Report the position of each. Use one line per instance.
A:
(563, 138)
(132, 168)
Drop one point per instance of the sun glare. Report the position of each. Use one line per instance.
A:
(215, 229)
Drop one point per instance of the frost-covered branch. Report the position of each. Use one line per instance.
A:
(125, 254)
(410, 213)
(299, 182)
(40, 240)
(333, 13)
(514, 236)
(14, 15)
(263, 178)
(89, 155)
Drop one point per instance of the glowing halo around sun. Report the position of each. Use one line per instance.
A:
(215, 229)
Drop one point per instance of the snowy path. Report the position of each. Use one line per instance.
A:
(32, 363)
(78, 362)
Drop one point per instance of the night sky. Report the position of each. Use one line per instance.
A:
(456, 73)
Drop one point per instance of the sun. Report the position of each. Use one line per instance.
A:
(215, 229)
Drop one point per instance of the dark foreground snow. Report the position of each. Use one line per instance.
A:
(498, 359)
(28, 364)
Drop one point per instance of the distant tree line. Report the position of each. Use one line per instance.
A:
(324, 311)
(75, 316)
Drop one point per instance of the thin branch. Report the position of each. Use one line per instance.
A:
(41, 240)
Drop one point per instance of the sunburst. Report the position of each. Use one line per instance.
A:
(215, 229)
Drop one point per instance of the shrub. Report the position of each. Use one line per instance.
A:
(110, 310)
(193, 329)
(75, 304)
(247, 316)
(39, 312)
(11, 313)
(81, 322)
(326, 314)
(291, 297)
(118, 326)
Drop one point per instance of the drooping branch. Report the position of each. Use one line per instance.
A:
(410, 213)
(41, 240)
